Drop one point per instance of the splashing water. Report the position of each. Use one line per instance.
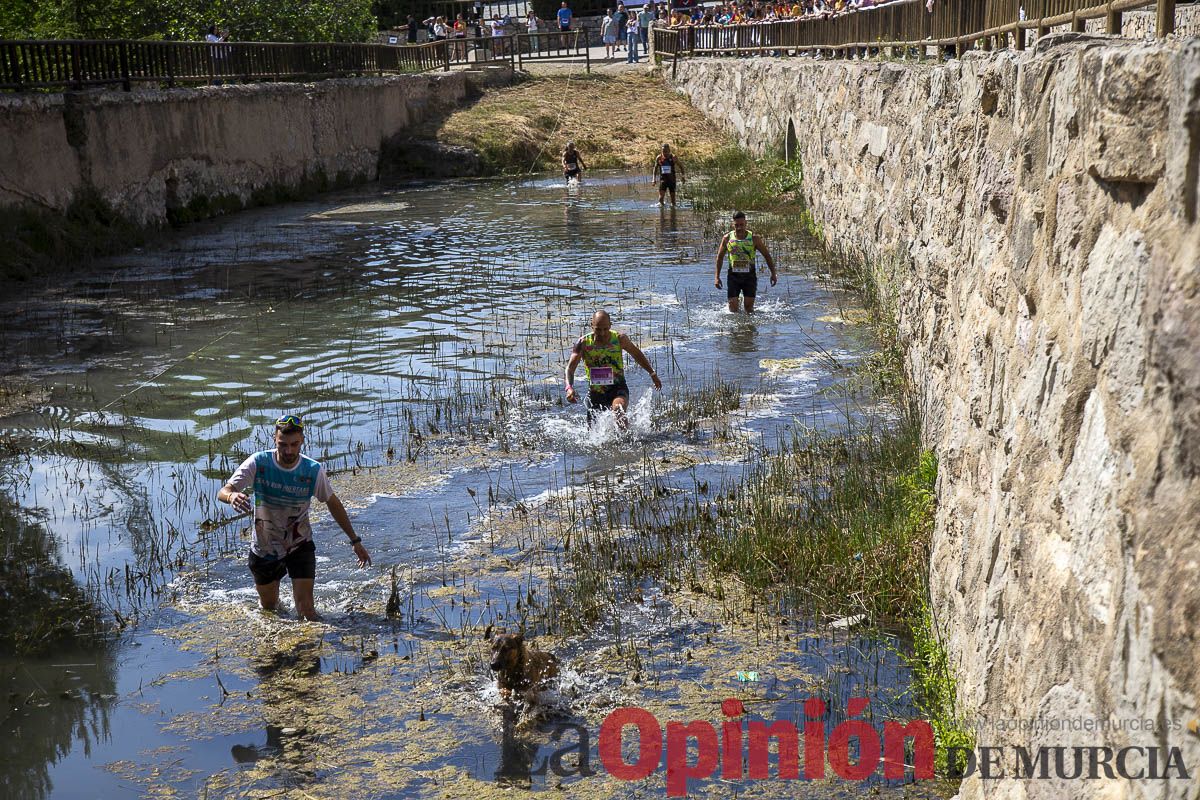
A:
(573, 431)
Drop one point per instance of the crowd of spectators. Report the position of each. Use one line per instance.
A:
(757, 11)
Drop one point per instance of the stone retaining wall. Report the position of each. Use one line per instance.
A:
(187, 153)
(1034, 217)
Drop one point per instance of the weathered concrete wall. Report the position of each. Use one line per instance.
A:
(1035, 215)
(190, 152)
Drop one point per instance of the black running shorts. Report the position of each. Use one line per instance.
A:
(300, 563)
(737, 283)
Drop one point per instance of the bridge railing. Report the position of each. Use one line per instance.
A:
(80, 64)
(553, 45)
(962, 24)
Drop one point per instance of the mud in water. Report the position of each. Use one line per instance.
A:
(422, 330)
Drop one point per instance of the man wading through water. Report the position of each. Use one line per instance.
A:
(739, 244)
(285, 483)
(666, 167)
(602, 353)
(572, 163)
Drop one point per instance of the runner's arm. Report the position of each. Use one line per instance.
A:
(629, 347)
(233, 492)
(721, 257)
(761, 246)
(235, 497)
(338, 512)
(572, 365)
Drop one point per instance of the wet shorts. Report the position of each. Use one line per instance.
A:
(300, 563)
(741, 283)
(666, 182)
(574, 172)
(602, 398)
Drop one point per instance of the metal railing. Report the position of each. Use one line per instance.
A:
(906, 24)
(79, 64)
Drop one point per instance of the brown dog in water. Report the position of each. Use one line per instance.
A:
(520, 668)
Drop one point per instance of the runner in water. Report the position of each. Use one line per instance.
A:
(285, 483)
(666, 167)
(602, 356)
(739, 245)
(572, 163)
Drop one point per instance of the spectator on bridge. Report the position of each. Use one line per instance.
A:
(608, 34)
(532, 26)
(633, 36)
(564, 23)
(460, 38)
(440, 32)
(214, 37)
(619, 20)
(645, 19)
(412, 29)
(497, 26)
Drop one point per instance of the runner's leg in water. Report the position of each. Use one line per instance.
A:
(613, 398)
(744, 285)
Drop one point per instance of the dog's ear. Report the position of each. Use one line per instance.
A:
(518, 638)
(487, 633)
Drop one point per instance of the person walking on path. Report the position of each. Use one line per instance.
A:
(285, 483)
(632, 37)
(666, 168)
(740, 245)
(602, 353)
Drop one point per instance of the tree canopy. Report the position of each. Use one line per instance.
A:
(243, 20)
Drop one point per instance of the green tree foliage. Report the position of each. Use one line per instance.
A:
(244, 20)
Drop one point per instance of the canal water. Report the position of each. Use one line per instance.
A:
(421, 330)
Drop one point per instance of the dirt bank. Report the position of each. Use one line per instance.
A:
(616, 121)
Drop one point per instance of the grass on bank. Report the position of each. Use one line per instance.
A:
(854, 532)
(616, 122)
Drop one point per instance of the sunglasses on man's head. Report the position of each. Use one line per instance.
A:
(289, 420)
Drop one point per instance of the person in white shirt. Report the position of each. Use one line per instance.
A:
(532, 26)
(285, 484)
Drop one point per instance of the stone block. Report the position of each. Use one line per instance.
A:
(1123, 116)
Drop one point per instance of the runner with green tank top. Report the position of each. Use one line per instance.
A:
(602, 353)
(739, 247)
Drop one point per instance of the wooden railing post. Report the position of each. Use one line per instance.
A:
(123, 48)
(76, 66)
(1166, 18)
(1112, 22)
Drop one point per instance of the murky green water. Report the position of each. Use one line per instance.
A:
(422, 331)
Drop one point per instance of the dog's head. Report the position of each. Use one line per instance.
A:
(506, 651)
